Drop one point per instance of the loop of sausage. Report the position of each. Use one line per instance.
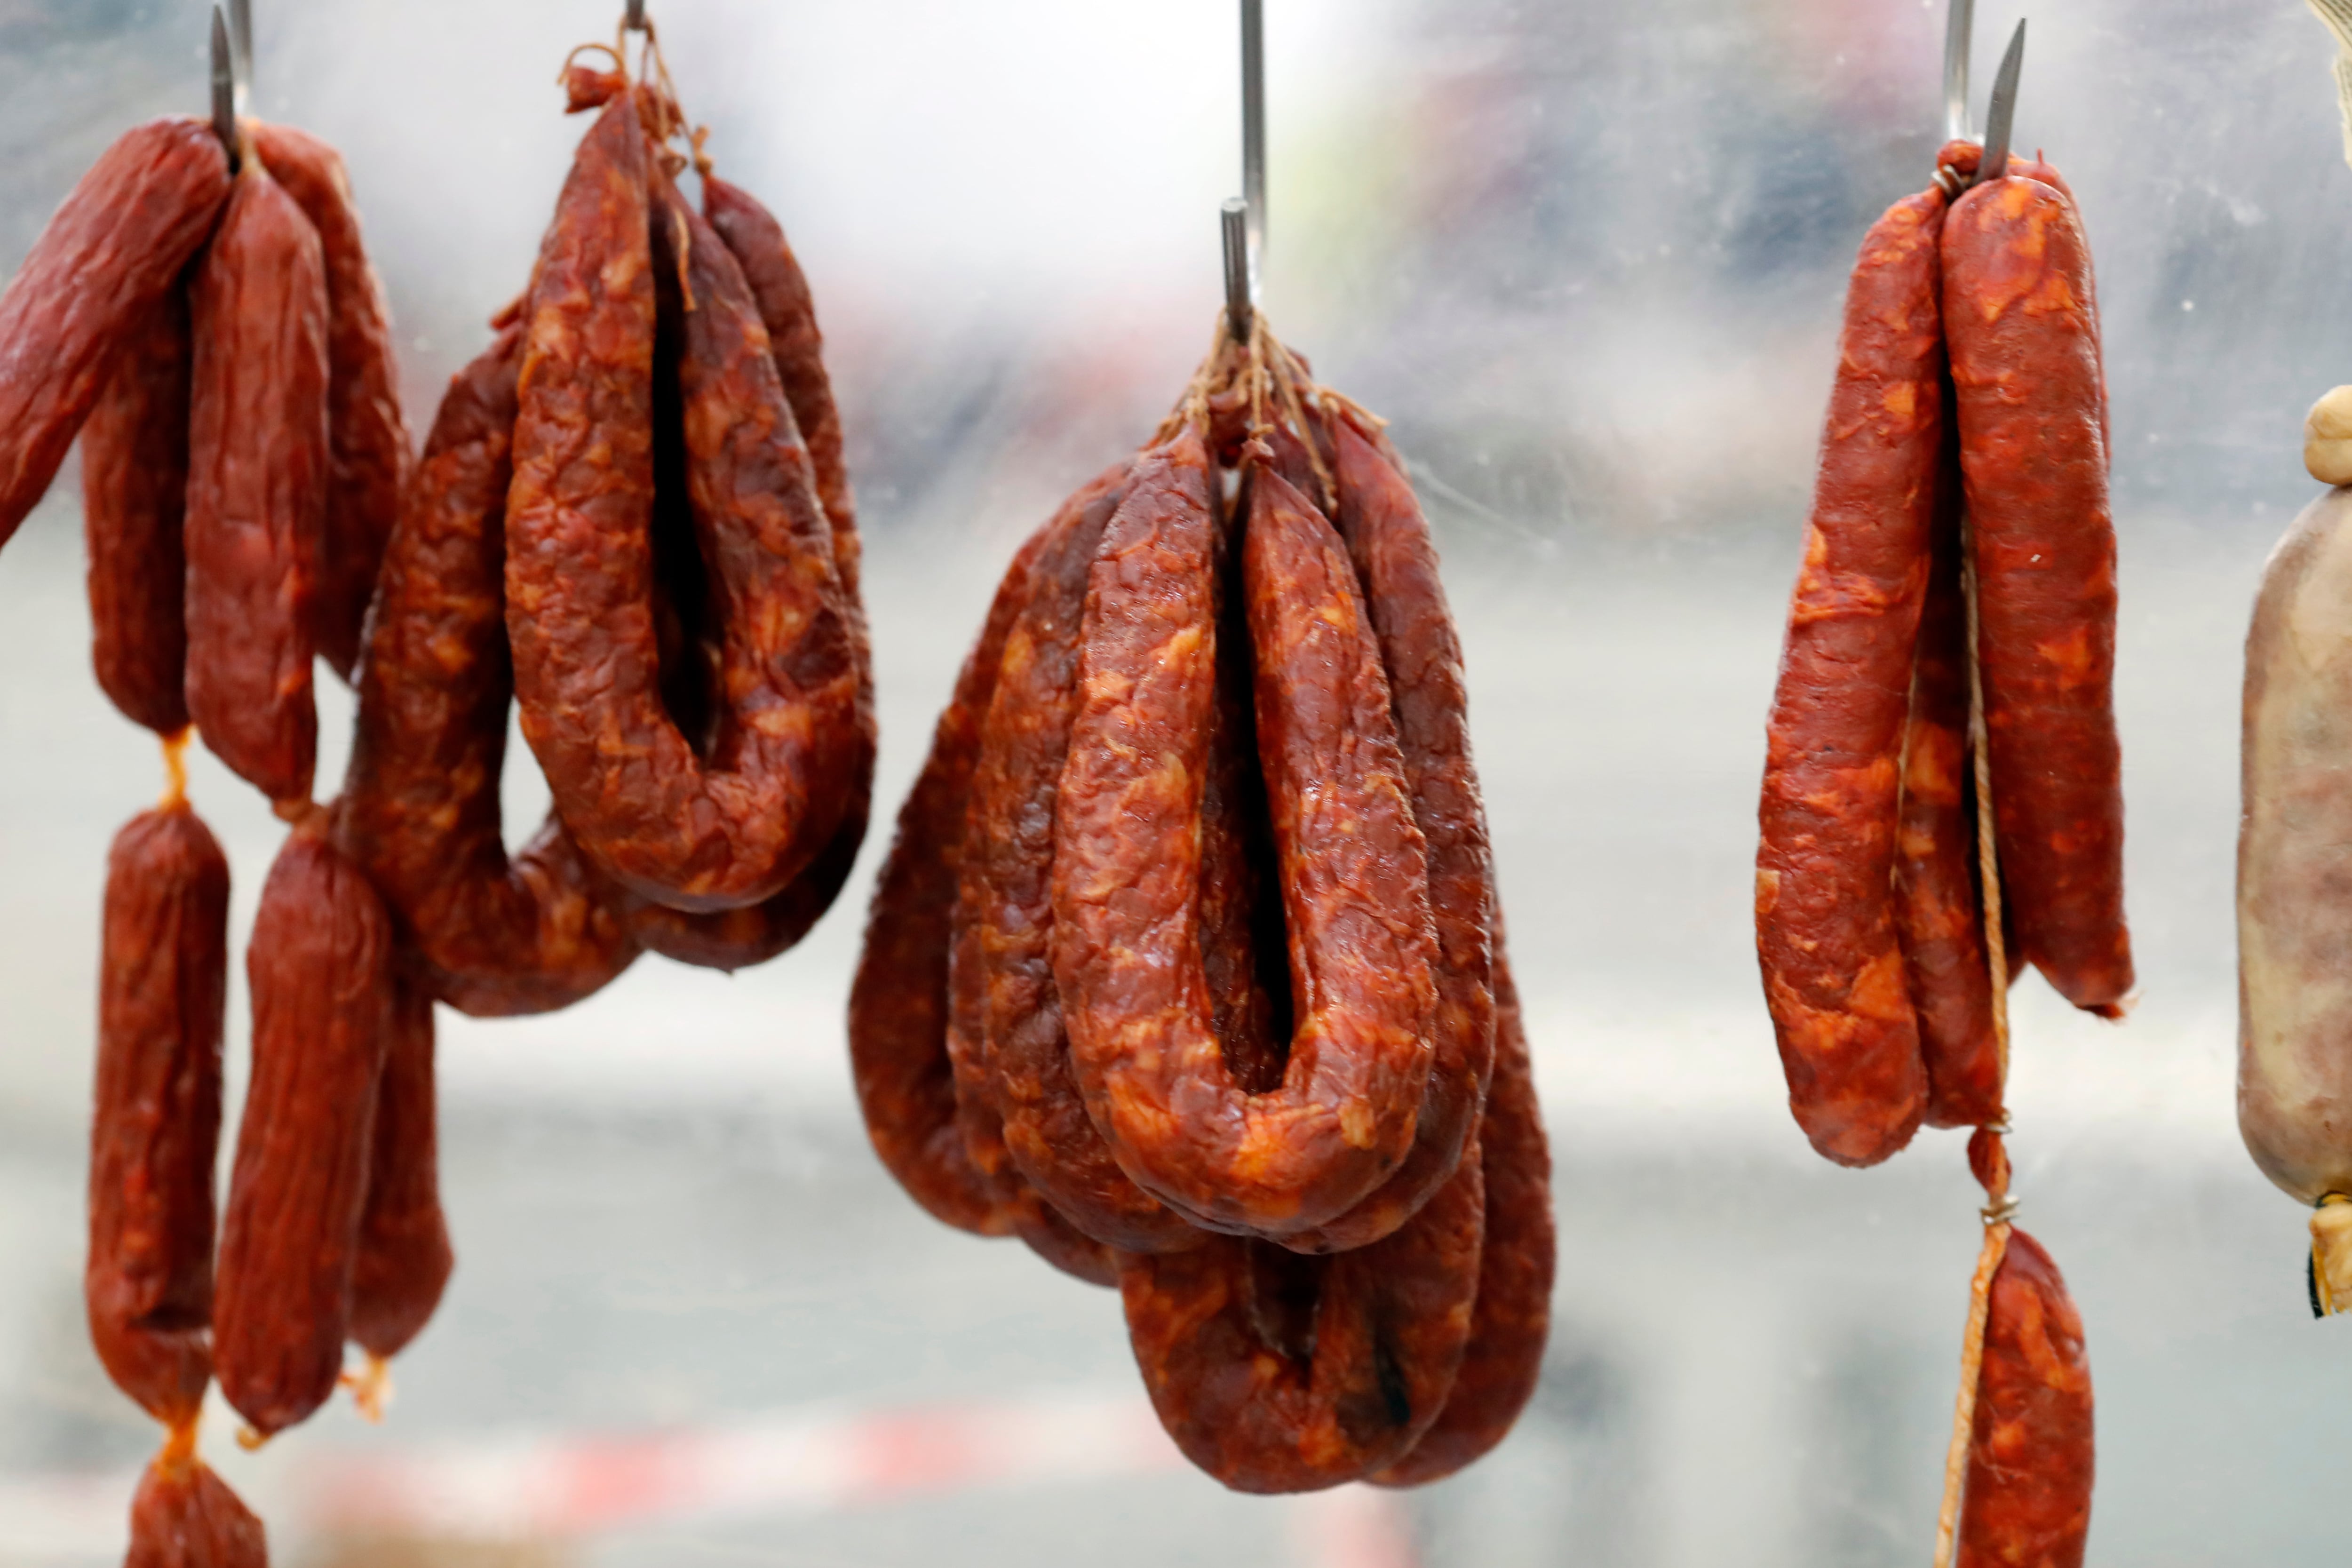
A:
(148, 1283)
(2026, 371)
(1825, 931)
(898, 1000)
(185, 1516)
(1938, 909)
(256, 486)
(1388, 544)
(1128, 848)
(1021, 1065)
(1278, 1372)
(2028, 1497)
(420, 804)
(579, 568)
(134, 494)
(115, 246)
(319, 968)
(368, 445)
(403, 1259)
(1512, 1315)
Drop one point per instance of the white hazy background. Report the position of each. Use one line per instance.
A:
(1589, 258)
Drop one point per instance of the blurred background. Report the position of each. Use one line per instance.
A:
(1588, 258)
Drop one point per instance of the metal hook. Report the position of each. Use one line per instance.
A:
(633, 20)
(1959, 27)
(1239, 307)
(240, 44)
(2001, 112)
(224, 87)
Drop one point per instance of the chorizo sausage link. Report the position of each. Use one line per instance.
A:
(1022, 1067)
(1938, 909)
(898, 1000)
(1825, 932)
(1127, 945)
(185, 1516)
(420, 804)
(134, 490)
(579, 569)
(147, 1284)
(1269, 1395)
(115, 246)
(320, 966)
(404, 1260)
(256, 486)
(368, 444)
(1512, 1315)
(2028, 1493)
(1388, 543)
(2026, 366)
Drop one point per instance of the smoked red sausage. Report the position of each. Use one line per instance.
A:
(184, 1516)
(403, 1259)
(2026, 371)
(2027, 1494)
(118, 243)
(320, 966)
(147, 1284)
(134, 491)
(256, 486)
(1825, 930)
(368, 445)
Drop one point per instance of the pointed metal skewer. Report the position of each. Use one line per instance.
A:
(1244, 215)
(1959, 27)
(1239, 306)
(224, 87)
(240, 46)
(2001, 114)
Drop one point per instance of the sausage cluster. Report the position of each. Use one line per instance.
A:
(617, 523)
(1185, 965)
(1954, 622)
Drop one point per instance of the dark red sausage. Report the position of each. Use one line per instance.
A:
(404, 1258)
(148, 1283)
(115, 246)
(256, 486)
(1126, 952)
(498, 935)
(2028, 1498)
(1513, 1316)
(185, 1516)
(368, 445)
(134, 491)
(320, 966)
(1825, 931)
(898, 1000)
(2025, 367)
(1276, 1373)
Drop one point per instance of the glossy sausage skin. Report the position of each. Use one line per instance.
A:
(404, 1258)
(2294, 922)
(257, 487)
(1388, 544)
(184, 1516)
(1825, 929)
(1127, 948)
(1007, 895)
(319, 965)
(164, 972)
(1512, 1315)
(134, 491)
(497, 935)
(368, 445)
(898, 1000)
(579, 568)
(2027, 1503)
(114, 248)
(1938, 908)
(2026, 374)
(1337, 1381)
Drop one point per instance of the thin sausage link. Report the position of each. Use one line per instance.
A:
(134, 491)
(403, 1259)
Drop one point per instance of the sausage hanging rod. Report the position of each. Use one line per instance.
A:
(2001, 112)
(1244, 217)
(1960, 25)
(240, 47)
(224, 81)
